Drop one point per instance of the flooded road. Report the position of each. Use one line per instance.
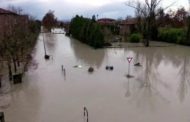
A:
(159, 91)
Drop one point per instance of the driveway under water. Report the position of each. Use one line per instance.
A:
(159, 91)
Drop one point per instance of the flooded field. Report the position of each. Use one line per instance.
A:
(159, 91)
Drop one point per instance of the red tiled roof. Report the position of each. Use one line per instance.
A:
(131, 21)
(106, 21)
(3, 11)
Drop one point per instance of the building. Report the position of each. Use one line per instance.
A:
(106, 21)
(128, 26)
(9, 20)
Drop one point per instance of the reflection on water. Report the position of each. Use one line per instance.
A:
(159, 91)
(92, 58)
(50, 42)
(145, 92)
(185, 79)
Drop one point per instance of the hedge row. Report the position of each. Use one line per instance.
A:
(172, 35)
(87, 31)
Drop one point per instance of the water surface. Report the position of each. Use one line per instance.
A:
(159, 91)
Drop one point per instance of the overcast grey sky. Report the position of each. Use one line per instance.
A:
(66, 9)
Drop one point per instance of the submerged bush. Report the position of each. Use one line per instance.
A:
(172, 35)
(135, 38)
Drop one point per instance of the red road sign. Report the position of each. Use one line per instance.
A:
(129, 59)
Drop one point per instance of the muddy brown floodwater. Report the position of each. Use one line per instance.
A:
(159, 91)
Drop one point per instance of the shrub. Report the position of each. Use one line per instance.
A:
(172, 35)
(135, 38)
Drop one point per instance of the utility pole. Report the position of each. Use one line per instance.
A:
(44, 44)
(46, 56)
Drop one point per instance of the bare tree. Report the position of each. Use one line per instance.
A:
(146, 12)
(19, 37)
(14, 9)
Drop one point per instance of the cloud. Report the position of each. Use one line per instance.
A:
(66, 9)
(114, 10)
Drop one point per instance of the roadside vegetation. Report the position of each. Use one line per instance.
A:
(154, 23)
(173, 35)
(161, 24)
(87, 31)
(18, 42)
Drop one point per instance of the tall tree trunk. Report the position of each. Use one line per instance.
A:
(151, 29)
(17, 60)
(14, 63)
(10, 71)
(22, 52)
(0, 81)
(2, 64)
(188, 31)
(147, 42)
(147, 32)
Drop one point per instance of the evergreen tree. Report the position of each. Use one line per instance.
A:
(87, 31)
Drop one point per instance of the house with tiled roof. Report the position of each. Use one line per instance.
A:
(7, 12)
(127, 26)
(106, 21)
(9, 20)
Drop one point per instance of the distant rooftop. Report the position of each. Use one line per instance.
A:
(3, 11)
(131, 21)
(106, 21)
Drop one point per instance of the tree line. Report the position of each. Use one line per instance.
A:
(152, 18)
(153, 23)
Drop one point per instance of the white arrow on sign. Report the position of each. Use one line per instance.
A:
(129, 59)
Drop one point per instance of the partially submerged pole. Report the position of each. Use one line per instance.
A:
(2, 118)
(62, 67)
(44, 44)
(0, 80)
(129, 59)
(86, 113)
(46, 56)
